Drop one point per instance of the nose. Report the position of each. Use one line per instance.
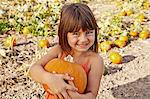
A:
(83, 38)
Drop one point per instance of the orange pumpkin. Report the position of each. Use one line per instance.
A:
(73, 69)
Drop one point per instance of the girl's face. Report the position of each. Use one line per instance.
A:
(81, 41)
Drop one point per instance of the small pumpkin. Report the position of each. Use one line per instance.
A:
(120, 43)
(115, 57)
(105, 46)
(123, 38)
(129, 12)
(144, 34)
(73, 69)
(10, 41)
(133, 33)
(44, 43)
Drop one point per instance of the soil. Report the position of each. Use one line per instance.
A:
(131, 79)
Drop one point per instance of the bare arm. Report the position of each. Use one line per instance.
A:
(94, 78)
(37, 71)
(53, 81)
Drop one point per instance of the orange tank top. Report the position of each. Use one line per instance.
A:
(85, 67)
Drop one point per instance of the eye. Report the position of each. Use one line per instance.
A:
(91, 32)
(75, 33)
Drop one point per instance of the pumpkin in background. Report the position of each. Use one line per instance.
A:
(73, 69)
(44, 43)
(115, 57)
(10, 41)
(144, 34)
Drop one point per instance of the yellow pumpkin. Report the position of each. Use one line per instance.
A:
(105, 46)
(115, 57)
(25, 30)
(144, 34)
(44, 43)
(74, 70)
(123, 38)
(10, 41)
(120, 43)
(129, 12)
(133, 33)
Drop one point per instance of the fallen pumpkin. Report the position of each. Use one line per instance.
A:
(44, 43)
(120, 43)
(144, 34)
(115, 57)
(10, 41)
(123, 38)
(73, 69)
(105, 46)
(133, 33)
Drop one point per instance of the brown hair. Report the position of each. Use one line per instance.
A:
(74, 17)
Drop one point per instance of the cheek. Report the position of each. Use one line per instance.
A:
(71, 40)
(92, 39)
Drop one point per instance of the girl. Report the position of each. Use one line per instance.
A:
(77, 34)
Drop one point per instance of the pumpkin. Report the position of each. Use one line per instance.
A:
(73, 69)
(105, 46)
(115, 57)
(133, 33)
(144, 34)
(10, 41)
(123, 38)
(120, 43)
(44, 43)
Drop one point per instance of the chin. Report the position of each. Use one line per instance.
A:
(82, 50)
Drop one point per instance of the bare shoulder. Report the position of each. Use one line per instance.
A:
(56, 48)
(95, 73)
(95, 60)
(54, 51)
(95, 57)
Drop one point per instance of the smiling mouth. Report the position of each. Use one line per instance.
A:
(83, 45)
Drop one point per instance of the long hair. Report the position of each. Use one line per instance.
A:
(74, 17)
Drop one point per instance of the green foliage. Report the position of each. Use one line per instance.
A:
(4, 26)
(41, 17)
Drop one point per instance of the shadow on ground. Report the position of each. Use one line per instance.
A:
(112, 70)
(139, 89)
(128, 58)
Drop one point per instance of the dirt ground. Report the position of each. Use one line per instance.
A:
(129, 80)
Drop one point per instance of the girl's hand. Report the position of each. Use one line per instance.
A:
(57, 84)
(72, 94)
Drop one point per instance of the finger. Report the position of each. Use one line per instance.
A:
(67, 74)
(54, 72)
(70, 87)
(49, 91)
(65, 95)
(71, 83)
(56, 97)
(67, 77)
(60, 96)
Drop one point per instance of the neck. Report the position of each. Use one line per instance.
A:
(77, 54)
